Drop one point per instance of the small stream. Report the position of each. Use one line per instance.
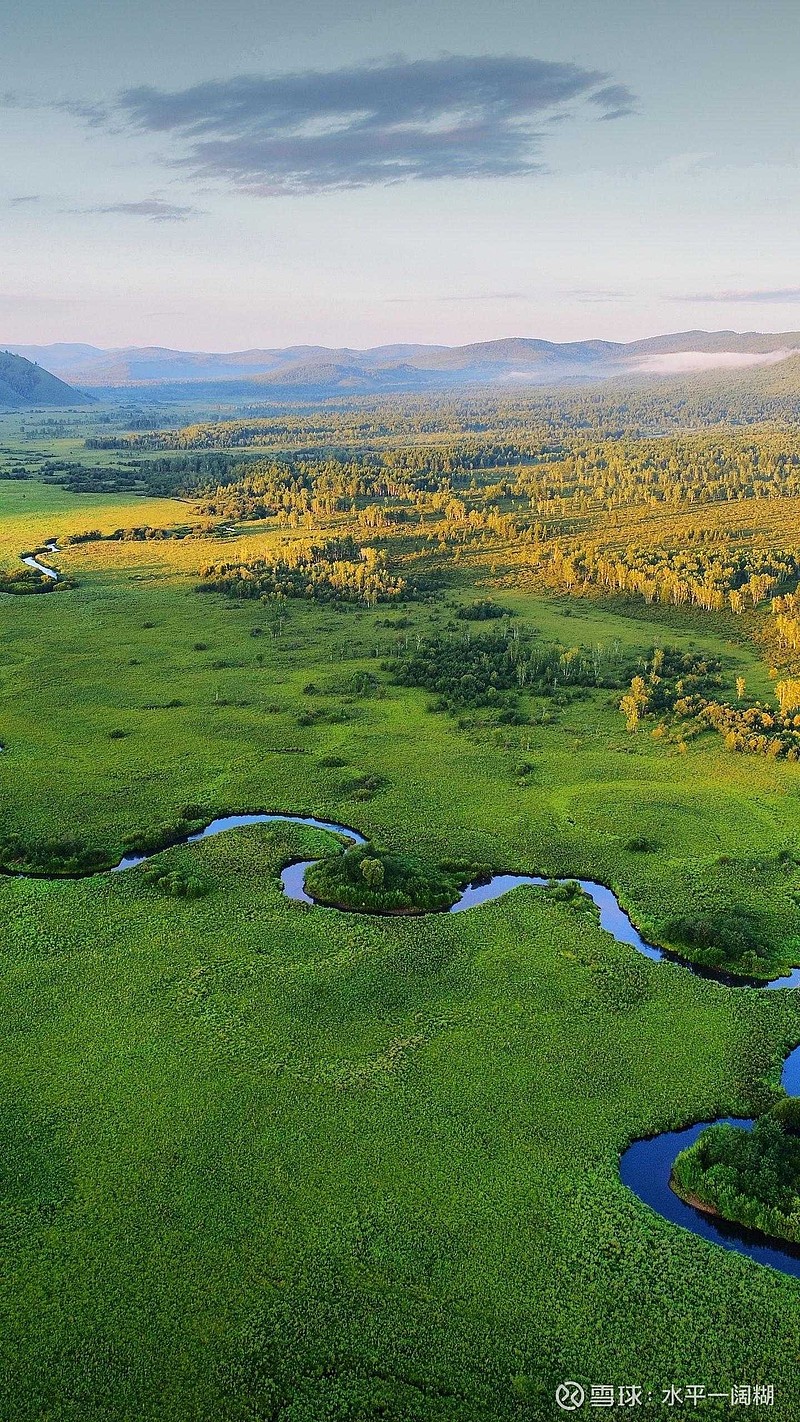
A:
(229, 822)
(31, 561)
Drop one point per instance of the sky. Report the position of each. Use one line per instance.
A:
(267, 173)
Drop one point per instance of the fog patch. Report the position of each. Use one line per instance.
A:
(676, 362)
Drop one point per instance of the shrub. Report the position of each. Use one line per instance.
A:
(727, 938)
(175, 883)
(749, 1177)
(483, 610)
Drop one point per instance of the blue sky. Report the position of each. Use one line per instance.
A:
(275, 173)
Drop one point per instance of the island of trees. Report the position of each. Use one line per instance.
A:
(368, 879)
(750, 1177)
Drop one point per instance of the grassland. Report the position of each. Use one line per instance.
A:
(216, 718)
(270, 1162)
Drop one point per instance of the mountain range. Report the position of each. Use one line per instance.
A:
(517, 358)
(320, 370)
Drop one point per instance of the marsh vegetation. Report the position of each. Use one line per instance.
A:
(271, 1160)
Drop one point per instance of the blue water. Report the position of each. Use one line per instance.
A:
(293, 881)
(646, 1168)
(615, 921)
(494, 888)
(790, 1076)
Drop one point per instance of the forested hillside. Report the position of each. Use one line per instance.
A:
(24, 385)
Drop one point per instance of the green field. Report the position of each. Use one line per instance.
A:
(266, 1163)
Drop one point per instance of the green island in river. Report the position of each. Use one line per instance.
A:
(370, 880)
(750, 1177)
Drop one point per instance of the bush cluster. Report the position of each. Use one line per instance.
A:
(372, 880)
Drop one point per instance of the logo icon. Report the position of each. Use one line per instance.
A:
(570, 1396)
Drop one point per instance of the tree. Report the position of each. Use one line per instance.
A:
(372, 872)
(634, 703)
(788, 694)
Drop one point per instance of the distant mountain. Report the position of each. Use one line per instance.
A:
(25, 386)
(316, 370)
(741, 342)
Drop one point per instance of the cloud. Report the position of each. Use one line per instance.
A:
(616, 101)
(390, 121)
(472, 296)
(779, 294)
(154, 208)
(490, 296)
(597, 297)
(93, 114)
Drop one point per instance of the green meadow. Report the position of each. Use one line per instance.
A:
(271, 1163)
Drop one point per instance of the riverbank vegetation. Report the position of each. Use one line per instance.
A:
(750, 1177)
(22, 582)
(367, 879)
(54, 857)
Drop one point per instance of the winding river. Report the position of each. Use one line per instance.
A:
(646, 1166)
(613, 917)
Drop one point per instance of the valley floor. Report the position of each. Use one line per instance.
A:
(268, 1161)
